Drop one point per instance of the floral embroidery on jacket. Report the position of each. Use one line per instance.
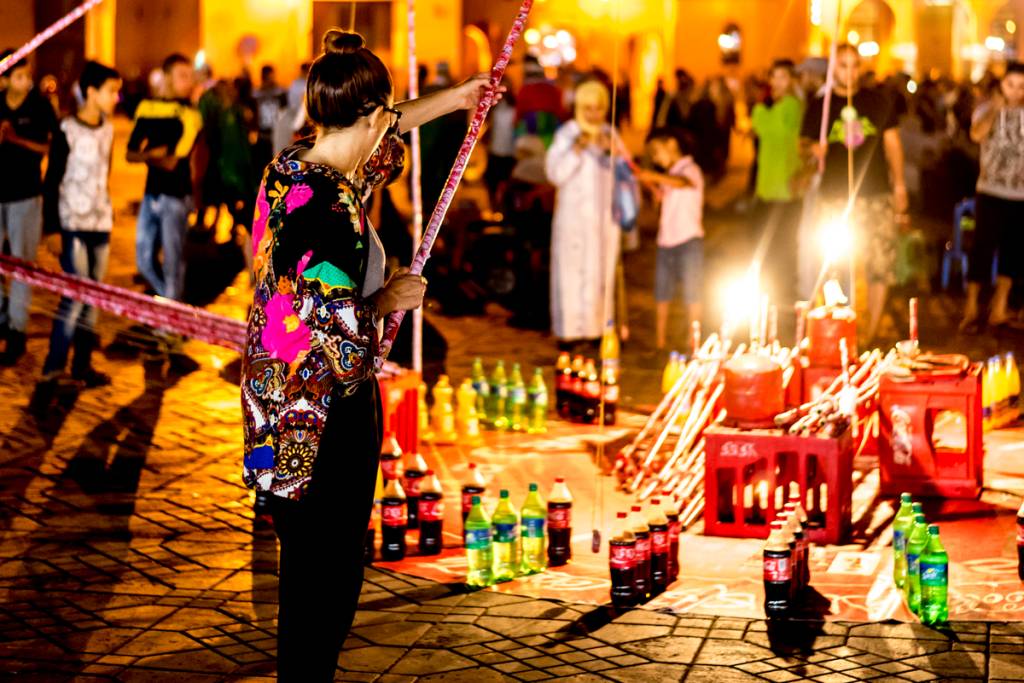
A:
(311, 337)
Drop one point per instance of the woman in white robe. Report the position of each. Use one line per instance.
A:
(584, 237)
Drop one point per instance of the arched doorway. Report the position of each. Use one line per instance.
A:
(476, 51)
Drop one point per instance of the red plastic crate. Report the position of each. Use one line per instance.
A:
(749, 476)
(399, 396)
(909, 458)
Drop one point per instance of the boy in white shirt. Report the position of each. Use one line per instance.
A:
(680, 259)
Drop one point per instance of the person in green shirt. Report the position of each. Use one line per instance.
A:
(776, 123)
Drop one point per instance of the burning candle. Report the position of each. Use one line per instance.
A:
(913, 319)
(801, 321)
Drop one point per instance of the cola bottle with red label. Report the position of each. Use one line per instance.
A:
(414, 473)
(431, 514)
(778, 576)
(622, 563)
(394, 521)
(674, 528)
(642, 579)
(474, 486)
(391, 457)
(657, 523)
(559, 524)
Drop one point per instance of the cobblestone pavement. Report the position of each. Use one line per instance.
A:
(127, 552)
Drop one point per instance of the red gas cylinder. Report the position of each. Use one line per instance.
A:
(753, 391)
(825, 327)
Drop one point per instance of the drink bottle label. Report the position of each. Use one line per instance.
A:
(611, 393)
(643, 548)
(539, 399)
(533, 527)
(899, 540)
(1020, 533)
(592, 389)
(559, 518)
(659, 542)
(778, 569)
(505, 533)
(431, 510)
(913, 564)
(673, 531)
(622, 556)
(478, 539)
(934, 574)
(411, 485)
(394, 515)
(562, 382)
(518, 396)
(481, 387)
(502, 391)
(389, 467)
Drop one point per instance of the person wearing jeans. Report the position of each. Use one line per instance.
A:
(161, 226)
(27, 122)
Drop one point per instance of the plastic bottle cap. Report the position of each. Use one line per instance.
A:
(933, 529)
(918, 508)
(533, 487)
(559, 480)
(620, 515)
(472, 465)
(635, 508)
(906, 498)
(920, 519)
(504, 493)
(475, 500)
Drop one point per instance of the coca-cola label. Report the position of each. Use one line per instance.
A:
(562, 381)
(622, 556)
(778, 569)
(659, 542)
(934, 574)
(389, 467)
(592, 389)
(611, 393)
(559, 518)
(478, 539)
(673, 530)
(533, 527)
(1020, 533)
(431, 510)
(643, 548)
(412, 485)
(392, 514)
(506, 533)
(467, 501)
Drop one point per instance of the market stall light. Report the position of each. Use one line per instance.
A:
(853, 37)
(869, 48)
(995, 44)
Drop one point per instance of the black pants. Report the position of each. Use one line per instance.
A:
(999, 226)
(322, 537)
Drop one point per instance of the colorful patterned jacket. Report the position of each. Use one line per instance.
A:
(312, 337)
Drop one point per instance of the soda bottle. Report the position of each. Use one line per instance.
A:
(610, 347)
(671, 508)
(506, 539)
(934, 563)
(671, 373)
(443, 413)
(467, 420)
(916, 543)
(781, 524)
(801, 514)
(559, 524)
(414, 473)
(537, 402)
(431, 514)
(479, 555)
(576, 388)
(1020, 542)
(801, 556)
(474, 486)
(642, 579)
(535, 516)
(657, 523)
(778, 575)
(611, 395)
(563, 385)
(496, 417)
(515, 403)
(1013, 385)
(369, 549)
(482, 389)
(390, 457)
(590, 401)
(423, 414)
(901, 526)
(622, 562)
(393, 522)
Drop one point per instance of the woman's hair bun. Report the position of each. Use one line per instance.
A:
(344, 42)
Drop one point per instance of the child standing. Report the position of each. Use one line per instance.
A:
(680, 260)
(78, 200)
(27, 121)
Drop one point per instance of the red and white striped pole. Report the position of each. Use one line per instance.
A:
(47, 33)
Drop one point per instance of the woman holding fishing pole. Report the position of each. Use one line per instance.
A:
(309, 393)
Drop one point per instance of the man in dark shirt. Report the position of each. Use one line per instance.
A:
(165, 134)
(863, 122)
(271, 100)
(27, 121)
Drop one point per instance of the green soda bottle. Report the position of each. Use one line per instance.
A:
(480, 386)
(535, 516)
(479, 553)
(934, 563)
(506, 539)
(916, 543)
(515, 401)
(496, 398)
(537, 400)
(900, 529)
